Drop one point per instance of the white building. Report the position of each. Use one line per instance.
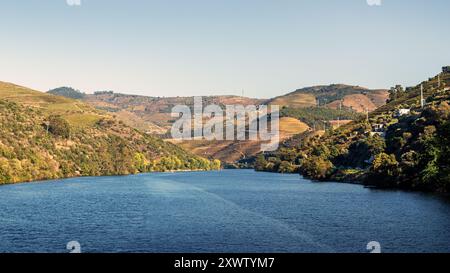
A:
(378, 127)
(381, 134)
(402, 112)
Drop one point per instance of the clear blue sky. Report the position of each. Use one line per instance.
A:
(206, 47)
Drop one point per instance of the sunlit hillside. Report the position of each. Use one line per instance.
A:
(334, 96)
(403, 144)
(44, 136)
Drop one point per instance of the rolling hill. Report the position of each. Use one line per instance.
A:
(44, 136)
(402, 144)
(300, 112)
(153, 114)
(232, 151)
(295, 100)
(353, 97)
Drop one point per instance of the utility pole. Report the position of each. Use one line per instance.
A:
(340, 111)
(439, 81)
(422, 101)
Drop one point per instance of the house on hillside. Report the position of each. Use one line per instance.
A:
(446, 69)
(378, 127)
(381, 134)
(402, 112)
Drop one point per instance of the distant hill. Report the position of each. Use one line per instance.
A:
(353, 97)
(153, 114)
(295, 100)
(320, 116)
(67, 92)
(233, 151)
(43, 136)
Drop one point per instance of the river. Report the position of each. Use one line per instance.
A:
(225, 211)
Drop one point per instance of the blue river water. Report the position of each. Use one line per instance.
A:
(226, 211)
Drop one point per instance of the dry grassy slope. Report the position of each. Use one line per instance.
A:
(78, 114)
(378, 97)
(358, 102)
(138, 122)
(295, 100)
(153, 113)
(338, 123)
(231, 151)
(93, 144)
(355, 97)
(291, 126)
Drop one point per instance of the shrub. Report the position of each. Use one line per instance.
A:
(58, 126)
(316, 167)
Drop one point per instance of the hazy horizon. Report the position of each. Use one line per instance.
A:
(260, 48)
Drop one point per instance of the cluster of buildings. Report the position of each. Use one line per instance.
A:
(380, 128)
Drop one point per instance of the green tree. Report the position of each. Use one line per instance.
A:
(58, 126)
(316, 167)
(260, 163)
(216, 164)
(140, 162)
(384, 170)
(287, 167)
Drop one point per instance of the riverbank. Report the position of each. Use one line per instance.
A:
(112, 175)
(359, 177)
